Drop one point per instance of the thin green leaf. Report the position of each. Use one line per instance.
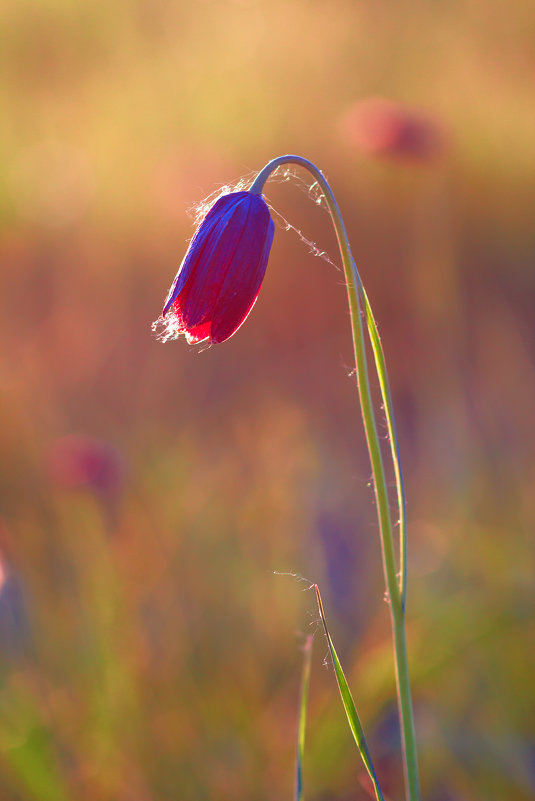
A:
(388, 406)
(305, 679)
(349, 705)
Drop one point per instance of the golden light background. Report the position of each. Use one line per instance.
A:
(149, 491)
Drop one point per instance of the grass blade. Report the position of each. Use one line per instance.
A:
(349, 705)
(305, 679)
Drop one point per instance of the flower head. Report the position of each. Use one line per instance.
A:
(220, 276)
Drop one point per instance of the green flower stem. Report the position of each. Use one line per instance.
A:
(396, 591)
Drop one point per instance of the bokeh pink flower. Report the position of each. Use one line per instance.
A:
(387, 129)
(77, 460)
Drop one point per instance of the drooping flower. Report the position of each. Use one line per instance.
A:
(220, 276)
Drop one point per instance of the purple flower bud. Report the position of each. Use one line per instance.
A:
(220, 277)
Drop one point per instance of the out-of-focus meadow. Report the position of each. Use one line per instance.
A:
(149, 491)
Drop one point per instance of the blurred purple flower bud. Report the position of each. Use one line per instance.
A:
(77, 461)
(15, 633)
(380, 127)
(220, 277)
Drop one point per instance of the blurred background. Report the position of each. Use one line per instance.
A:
(149, 491)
